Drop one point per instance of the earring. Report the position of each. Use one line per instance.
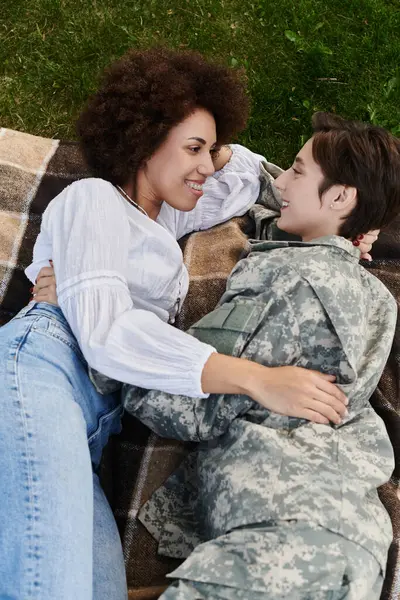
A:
(332, 205)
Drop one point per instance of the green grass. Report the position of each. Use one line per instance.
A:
(300, 56)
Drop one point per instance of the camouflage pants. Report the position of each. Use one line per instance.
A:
(285, 560)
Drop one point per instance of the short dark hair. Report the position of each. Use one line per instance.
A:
(146, 93)
(365, 157)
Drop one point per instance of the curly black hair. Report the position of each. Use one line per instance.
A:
(146, 93)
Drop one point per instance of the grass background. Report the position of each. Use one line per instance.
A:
(300, 56)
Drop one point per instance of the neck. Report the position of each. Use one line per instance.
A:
(140, 192)
(318, 233)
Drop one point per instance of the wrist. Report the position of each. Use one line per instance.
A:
(224, 374)
(250, 377)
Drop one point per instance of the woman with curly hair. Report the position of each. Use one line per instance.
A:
(150, 136)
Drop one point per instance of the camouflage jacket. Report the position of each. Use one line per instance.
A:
(287, 303)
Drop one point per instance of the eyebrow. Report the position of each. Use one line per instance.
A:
(199, 139)
(298, 159)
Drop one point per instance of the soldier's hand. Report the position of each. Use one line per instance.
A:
(365, 243)
(302, 393)
(45, 288)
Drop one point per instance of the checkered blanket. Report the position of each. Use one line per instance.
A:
(32, 171)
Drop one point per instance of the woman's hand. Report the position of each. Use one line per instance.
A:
(302, 393)
(290, 391)
(45, 288)
(365, 243)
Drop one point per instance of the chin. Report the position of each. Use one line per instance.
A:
(283, 226)
(288, 229)
(184, 205)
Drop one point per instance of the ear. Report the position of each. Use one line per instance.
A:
(342, 198)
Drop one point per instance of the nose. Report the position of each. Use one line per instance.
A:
(206, 167)
(279, 182)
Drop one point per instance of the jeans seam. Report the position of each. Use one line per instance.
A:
(33, 579)
(104, 417)
(74, 347)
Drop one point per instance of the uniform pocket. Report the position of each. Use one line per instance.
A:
(229, 327)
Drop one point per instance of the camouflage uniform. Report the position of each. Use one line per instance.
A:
(275, 506)
(269, 506)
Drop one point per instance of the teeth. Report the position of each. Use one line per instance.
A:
(194, 186)
(284, 204)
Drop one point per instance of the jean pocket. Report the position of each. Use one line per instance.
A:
(229, 327)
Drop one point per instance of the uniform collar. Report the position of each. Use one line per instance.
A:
(352, 252)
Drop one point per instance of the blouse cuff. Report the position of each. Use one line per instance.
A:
(32, 271)
(205, 352)
(242, 159)
(228, 163)
(231, 191)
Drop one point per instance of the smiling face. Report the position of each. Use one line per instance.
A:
(176, 172)
(303, 211)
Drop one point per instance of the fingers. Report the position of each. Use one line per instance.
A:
(365, 241)
(323, 375)
(45, 290)
(302, 393)
(45, 272)
(366, 256)
(45, 298)
(326, 399)
(46, 294)
(370, 237)
(315, 417)
(373, 234)
(325, 411)
(333, 403)
(365, 248)
(45, 283)
(331, 390)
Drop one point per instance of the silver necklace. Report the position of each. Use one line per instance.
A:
(135, 204)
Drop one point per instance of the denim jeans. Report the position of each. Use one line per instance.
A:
(58, 537)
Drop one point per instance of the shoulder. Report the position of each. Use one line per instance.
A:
(317, 262)
(88, 203)
(265, 273)
(379, 290)
(91, 187)
(89, 193)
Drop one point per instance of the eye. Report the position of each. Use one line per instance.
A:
(296, 171)
(195, 149)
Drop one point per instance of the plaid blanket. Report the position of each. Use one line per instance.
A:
(32, 171)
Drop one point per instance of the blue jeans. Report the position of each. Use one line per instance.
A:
(58, 536)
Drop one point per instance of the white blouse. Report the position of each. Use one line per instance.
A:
(121, 278)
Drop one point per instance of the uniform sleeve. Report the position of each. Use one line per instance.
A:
(182, 418)
(90, 235)
(229, 193)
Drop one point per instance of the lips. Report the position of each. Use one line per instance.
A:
(196, 187)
